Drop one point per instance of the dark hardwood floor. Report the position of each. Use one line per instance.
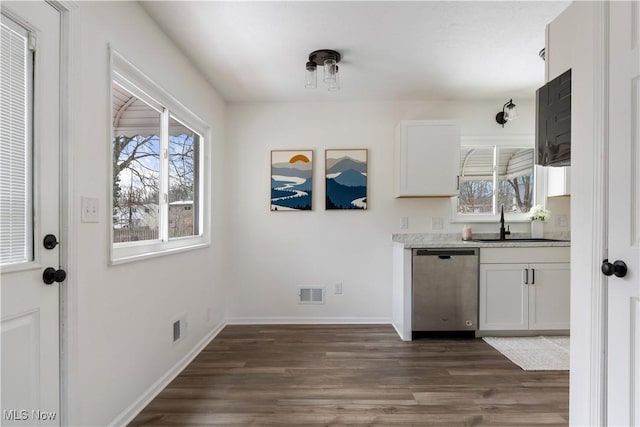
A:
(356, 375)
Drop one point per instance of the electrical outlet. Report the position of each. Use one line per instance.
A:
(338, 288)
(562, 221)
(404, 222)
(437, 223)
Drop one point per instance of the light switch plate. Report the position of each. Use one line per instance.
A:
(89, 209)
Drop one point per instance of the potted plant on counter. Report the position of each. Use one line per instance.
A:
(538, 215)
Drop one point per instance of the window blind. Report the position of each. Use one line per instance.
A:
(478, 163)
(515, 162)
(16, 65)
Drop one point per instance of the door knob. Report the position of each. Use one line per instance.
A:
(49, 241)
(50, 275)
(618, 268)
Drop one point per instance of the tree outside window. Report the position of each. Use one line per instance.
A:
(144, 181)
(492, 176)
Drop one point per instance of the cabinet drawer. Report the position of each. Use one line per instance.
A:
(524, 255)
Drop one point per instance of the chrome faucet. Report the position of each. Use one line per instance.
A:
(503, 232)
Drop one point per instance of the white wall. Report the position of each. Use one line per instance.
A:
(271, 253)
(120, 317)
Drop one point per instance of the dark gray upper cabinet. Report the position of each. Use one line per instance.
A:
(553, 122)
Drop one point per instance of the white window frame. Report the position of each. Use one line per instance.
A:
(126, 74)
(514, 141)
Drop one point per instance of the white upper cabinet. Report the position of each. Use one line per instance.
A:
(427, 158)
(558, 181)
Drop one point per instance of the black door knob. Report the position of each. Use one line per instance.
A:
(618, 268)
(50, 241)
(50, 275)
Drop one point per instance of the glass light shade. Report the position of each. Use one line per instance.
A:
(311, 77)
(334, 85)
(330, 70)
(510, 112)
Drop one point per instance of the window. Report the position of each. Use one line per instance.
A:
(158, 151)
(183, 178)
(492, 176)
(16, 144)
(136, 166)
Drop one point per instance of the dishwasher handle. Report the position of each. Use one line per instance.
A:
(444, 253)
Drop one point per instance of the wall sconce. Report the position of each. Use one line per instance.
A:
(328, 59)
(508, 113)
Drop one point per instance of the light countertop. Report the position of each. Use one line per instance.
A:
(428, 240)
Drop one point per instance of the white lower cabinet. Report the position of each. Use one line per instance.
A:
(524, 289)
(549, 305)
(504, 298)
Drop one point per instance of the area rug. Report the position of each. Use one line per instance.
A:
(534, 353)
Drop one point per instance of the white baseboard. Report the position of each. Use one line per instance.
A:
(308, 321)
(400, 334)
(139, 404)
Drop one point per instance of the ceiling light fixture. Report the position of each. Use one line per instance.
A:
(508, 113)
(328, 59)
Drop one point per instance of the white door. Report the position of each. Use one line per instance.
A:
(623, 348)
(29, 203)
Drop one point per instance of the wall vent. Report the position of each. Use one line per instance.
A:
(176, 331)
(179, 328)
(311, 295)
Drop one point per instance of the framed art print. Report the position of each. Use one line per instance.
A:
(291, 180)
(346, 179)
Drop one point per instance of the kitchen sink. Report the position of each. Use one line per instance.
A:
(527, 239)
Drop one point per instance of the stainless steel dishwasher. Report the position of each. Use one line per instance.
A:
(445, 289)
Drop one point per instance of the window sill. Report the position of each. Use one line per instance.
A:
(138, 252)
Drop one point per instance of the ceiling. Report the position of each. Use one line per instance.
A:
(391, 50)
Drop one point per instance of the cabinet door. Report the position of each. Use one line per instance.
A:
(428, 158)
(553, 127)
(549, 291)
(558, 181)
(503, 297)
